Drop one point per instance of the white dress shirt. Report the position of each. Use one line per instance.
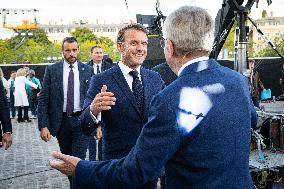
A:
(95, 65)
(125, 71)
(66, 71)
(203, 58)
(129, 79)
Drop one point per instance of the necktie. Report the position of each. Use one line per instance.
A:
(98, 69)
(70, 92)
(137, 90)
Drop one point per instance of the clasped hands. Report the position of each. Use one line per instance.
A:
(103, 101)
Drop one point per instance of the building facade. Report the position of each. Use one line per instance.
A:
(272, 27)
(57, 32)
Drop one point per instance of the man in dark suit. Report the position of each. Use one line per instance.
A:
(166, 73)
(65, 85)
(99, 65)
(198, 127)
(122, 124)
(5, 121)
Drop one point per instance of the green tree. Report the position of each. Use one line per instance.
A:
(6, 55)
(38, 35)
(229, 43)
(84, 34)
(87, 39)
(264, 14)
(267, 51)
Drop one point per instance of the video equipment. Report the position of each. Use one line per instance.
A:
(231, 11)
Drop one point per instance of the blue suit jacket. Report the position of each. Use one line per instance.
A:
(198, 128)
(105, 65)
(50, 101)
(122, 124)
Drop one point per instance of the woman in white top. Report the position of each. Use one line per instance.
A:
(21, 97)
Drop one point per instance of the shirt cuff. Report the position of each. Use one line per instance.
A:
(96, 119)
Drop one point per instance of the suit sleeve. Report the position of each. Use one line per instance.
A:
(158, 141)
(4, 111)
(86, 122)
(43, 100)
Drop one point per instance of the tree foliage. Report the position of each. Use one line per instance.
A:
(87, 39)
(36, 48)
(267, 51)
(84, 34)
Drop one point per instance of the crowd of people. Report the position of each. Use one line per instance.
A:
(174, 122)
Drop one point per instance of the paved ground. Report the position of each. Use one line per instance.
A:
(24, 165)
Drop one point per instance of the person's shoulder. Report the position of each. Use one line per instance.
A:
(55, 65)
(86, 66)
(159, 67)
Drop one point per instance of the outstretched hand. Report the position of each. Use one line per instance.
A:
(64, 163)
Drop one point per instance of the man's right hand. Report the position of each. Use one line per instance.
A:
(45, 134)
(103, 101)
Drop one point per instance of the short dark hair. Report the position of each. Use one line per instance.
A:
(69, 40)
(251, 60)
(135, 26)
(96, 46)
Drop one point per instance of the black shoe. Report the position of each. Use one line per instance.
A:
(28, 120)
(20, 120)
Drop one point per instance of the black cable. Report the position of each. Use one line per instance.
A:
(26, 174)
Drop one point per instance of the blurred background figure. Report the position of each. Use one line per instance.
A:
(20, 94)
(11, 98)
(281, 81)
(5, 85)
(255, 83)
(4, 81)
(6, 126)
(100, 63)
(32, 93)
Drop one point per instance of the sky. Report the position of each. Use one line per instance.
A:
(116, 11)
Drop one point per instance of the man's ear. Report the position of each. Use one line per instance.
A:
(119, 47)
(171, 47)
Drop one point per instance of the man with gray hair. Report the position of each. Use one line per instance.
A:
(198, 127)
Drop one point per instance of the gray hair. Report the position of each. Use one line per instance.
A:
(190, 29)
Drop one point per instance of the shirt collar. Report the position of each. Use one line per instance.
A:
(203, 58)
(125, 69)
(75, 64)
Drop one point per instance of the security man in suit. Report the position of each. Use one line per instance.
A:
(192, 128)
(60, 103)
(99, 64)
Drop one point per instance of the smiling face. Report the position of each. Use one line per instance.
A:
(134, 48)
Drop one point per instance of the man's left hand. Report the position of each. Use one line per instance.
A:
(64, 163)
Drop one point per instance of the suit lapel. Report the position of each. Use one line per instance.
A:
(146, 88)
(82, 80)
(59, 77)
(121, 81)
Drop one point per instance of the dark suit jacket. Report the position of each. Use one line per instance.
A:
(4, 111)
(50, 102)
(166, 73)
(123, 123)
(105, 65)
(211, 153)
